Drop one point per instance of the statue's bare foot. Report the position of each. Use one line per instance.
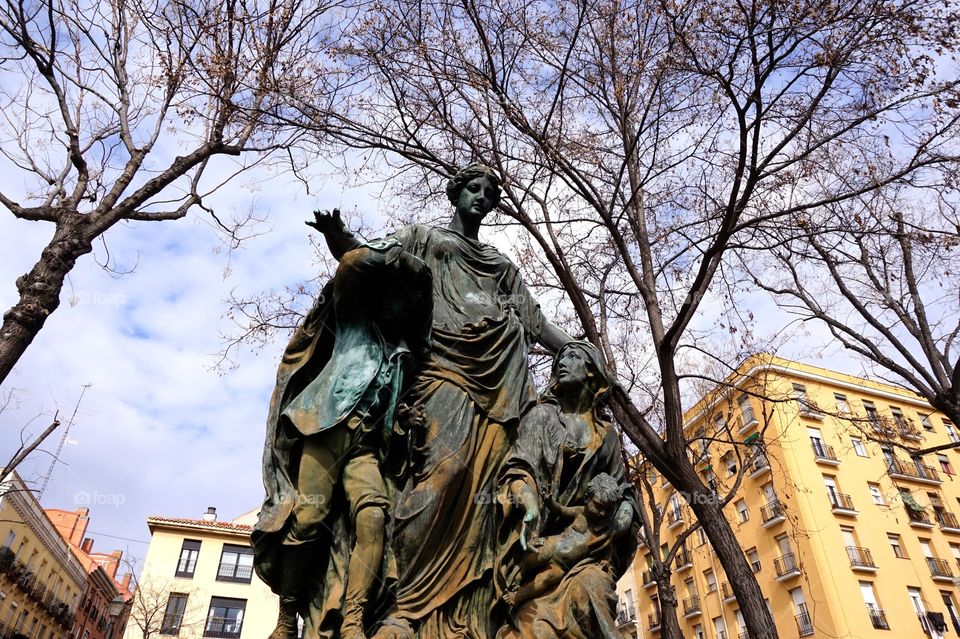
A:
(393, 628)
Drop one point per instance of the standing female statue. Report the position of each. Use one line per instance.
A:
(471, 386)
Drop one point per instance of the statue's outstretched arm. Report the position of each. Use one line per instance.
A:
(338, 236)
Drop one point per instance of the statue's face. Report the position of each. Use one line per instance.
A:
(572, 367)
(477, 198)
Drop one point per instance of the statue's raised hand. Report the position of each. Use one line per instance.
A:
(327, 221)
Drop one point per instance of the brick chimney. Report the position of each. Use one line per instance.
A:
(87, 545)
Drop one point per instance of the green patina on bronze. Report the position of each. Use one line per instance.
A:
(404, 415)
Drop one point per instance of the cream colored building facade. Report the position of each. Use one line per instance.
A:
(41, 580)
(198, 581)
(847, 535)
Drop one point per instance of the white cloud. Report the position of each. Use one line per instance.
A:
(159, 431)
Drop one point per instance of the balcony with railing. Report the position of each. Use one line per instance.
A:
(883, 427)
(804, 624)
(683, 560)
(861, 559)
(626, 616)
(726, 592)
(653, 621)
(806, 408)
(222, 628)
(906, 428)
(824, 454)
(772, 513)
(939, 569)
(691, 606)
(759, 466)
(948, 521)
(918, 517)
(878, 618)
(674, 516)
(647, 578)
(235, 573)
(786, 566)
(842, 504)
(171, 624)
(747, 420)
(913, 471)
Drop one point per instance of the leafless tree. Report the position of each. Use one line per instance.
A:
(881, 273)
(151, 617)
(640, 142)
(115, 111)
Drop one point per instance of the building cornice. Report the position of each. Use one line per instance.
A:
(198, 525)
(902, 396)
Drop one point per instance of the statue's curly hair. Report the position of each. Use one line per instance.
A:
(458, 181)
(605, 489)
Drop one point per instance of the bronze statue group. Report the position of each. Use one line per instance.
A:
(417, 484)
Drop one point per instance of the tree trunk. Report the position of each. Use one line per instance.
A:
(40, 290)
(756, 615)
(667, 596)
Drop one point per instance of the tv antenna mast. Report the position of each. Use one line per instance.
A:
(63, 440)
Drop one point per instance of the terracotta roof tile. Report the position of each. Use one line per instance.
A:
(200, 523)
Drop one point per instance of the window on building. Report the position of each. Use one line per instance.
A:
(842, 406)
(236, 564)
(754, 558)
(711, 579)
(698, 631)
(896, 546)
(746, 411)
(945, 463)
(858, 447)
(951, 431)
(189, 553)
(869, 595)
(743, 514)
(701, 536)
(720, 627)
(729, 462)
(11, 537)
(173, 614)
(951, 607)
(816, 440)
(802, 614)
(710, 479)
(955, 553)
(876, 494)
(926, 423)
(719, 422)
(803, 402)
(225, 618)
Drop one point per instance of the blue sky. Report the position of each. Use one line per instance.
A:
(159, 431)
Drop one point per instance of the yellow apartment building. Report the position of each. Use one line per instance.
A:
(41, 580)
(847, 534)
(198, 581)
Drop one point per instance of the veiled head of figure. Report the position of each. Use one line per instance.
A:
(474, 191)
(579, 364)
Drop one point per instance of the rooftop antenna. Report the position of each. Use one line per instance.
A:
(63, 440)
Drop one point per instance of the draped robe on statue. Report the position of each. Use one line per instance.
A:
(471, 391)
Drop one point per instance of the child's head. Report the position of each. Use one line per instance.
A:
(603, 496)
